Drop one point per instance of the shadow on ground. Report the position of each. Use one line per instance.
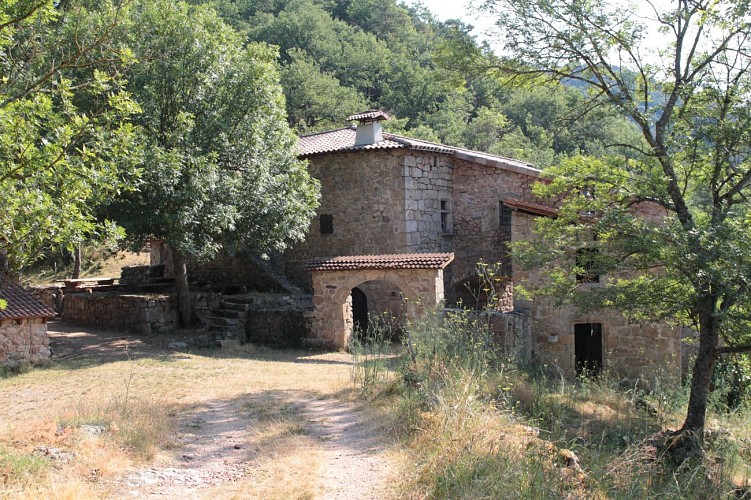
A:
(76, 347)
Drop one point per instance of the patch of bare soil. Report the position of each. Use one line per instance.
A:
(354, 464)
(72, 341)
(211, 451)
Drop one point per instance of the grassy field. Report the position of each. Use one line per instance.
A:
(46, 450)
(463, 422)
(478, 426)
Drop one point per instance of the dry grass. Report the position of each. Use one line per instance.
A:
(96, 263)
(138, 403)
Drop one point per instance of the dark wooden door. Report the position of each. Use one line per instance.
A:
(588, 348)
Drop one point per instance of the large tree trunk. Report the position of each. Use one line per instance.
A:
(706, 358)
(183, 290)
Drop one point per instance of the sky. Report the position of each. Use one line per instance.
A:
(483, 22)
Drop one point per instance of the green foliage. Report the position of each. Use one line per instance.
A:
(316, 100)
(667, 223)
(348, 55)
(219, 165)
(21, 468)
(65, 140)
(371, 352)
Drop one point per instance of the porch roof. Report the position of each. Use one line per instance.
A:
(20, 303)
(385, 261)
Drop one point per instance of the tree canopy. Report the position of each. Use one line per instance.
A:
(219, 165)
(65, 139)
(340, 57)
(690, 101)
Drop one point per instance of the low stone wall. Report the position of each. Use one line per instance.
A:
(279, 320)
(50, 296)
(23, 341)
(145, 314)
(513, 334)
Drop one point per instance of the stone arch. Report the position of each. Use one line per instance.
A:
(333, 280)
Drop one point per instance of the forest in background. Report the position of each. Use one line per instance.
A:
(340, 57)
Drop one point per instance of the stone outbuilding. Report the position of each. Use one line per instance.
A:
(399, 285)
(23, 327)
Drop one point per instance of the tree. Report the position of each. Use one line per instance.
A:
(219, 166)
(315, 100)
(691, 102)
(65, 140)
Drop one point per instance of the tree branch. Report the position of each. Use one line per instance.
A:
(736, 349)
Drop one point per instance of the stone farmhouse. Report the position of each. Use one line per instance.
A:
(405, 218)
(23, 327)
(401, 227)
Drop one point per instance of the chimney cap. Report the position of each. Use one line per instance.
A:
(372, 115)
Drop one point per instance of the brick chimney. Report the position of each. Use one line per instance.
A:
(369, 130)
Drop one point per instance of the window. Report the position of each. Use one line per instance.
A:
(327, 224)
(446, 217)
(586, 263)
(505, 220)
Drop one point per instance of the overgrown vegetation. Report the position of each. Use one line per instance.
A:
(481, 426)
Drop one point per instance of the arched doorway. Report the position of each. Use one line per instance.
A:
(401, 284)
(379, 305)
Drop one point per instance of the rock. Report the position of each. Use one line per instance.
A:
(177, 345)
(225, 343)
(93, 430)
(55, 453)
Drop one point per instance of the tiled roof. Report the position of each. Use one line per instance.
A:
(343, 139)
(529, 207)
(388, 261)
(21, 304)
(369, 116)
(339, 140)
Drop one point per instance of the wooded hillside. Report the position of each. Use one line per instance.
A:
(339, 57)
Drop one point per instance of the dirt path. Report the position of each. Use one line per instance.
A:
(354, 464)
(213, 454)
(211, 451)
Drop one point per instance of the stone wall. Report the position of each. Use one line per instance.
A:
(239, 274)
(50, 296)
(428, 181)
(279, 320)
(144, 314)
(23, 341)
(631, 350)
(478, 191)
(364, 192)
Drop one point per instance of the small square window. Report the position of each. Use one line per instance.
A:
(327, 223)
(445, 216)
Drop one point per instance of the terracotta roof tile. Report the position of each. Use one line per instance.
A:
(339, 140)
(369, 116)
(529, 207)
(21, 304)
(343, 139)
(387, 261)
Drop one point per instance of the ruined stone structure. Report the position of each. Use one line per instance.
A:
(384, 195)
(23, 327)
(144, 314)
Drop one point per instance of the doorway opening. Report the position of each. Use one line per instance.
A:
(359, 311)
(588, 349)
